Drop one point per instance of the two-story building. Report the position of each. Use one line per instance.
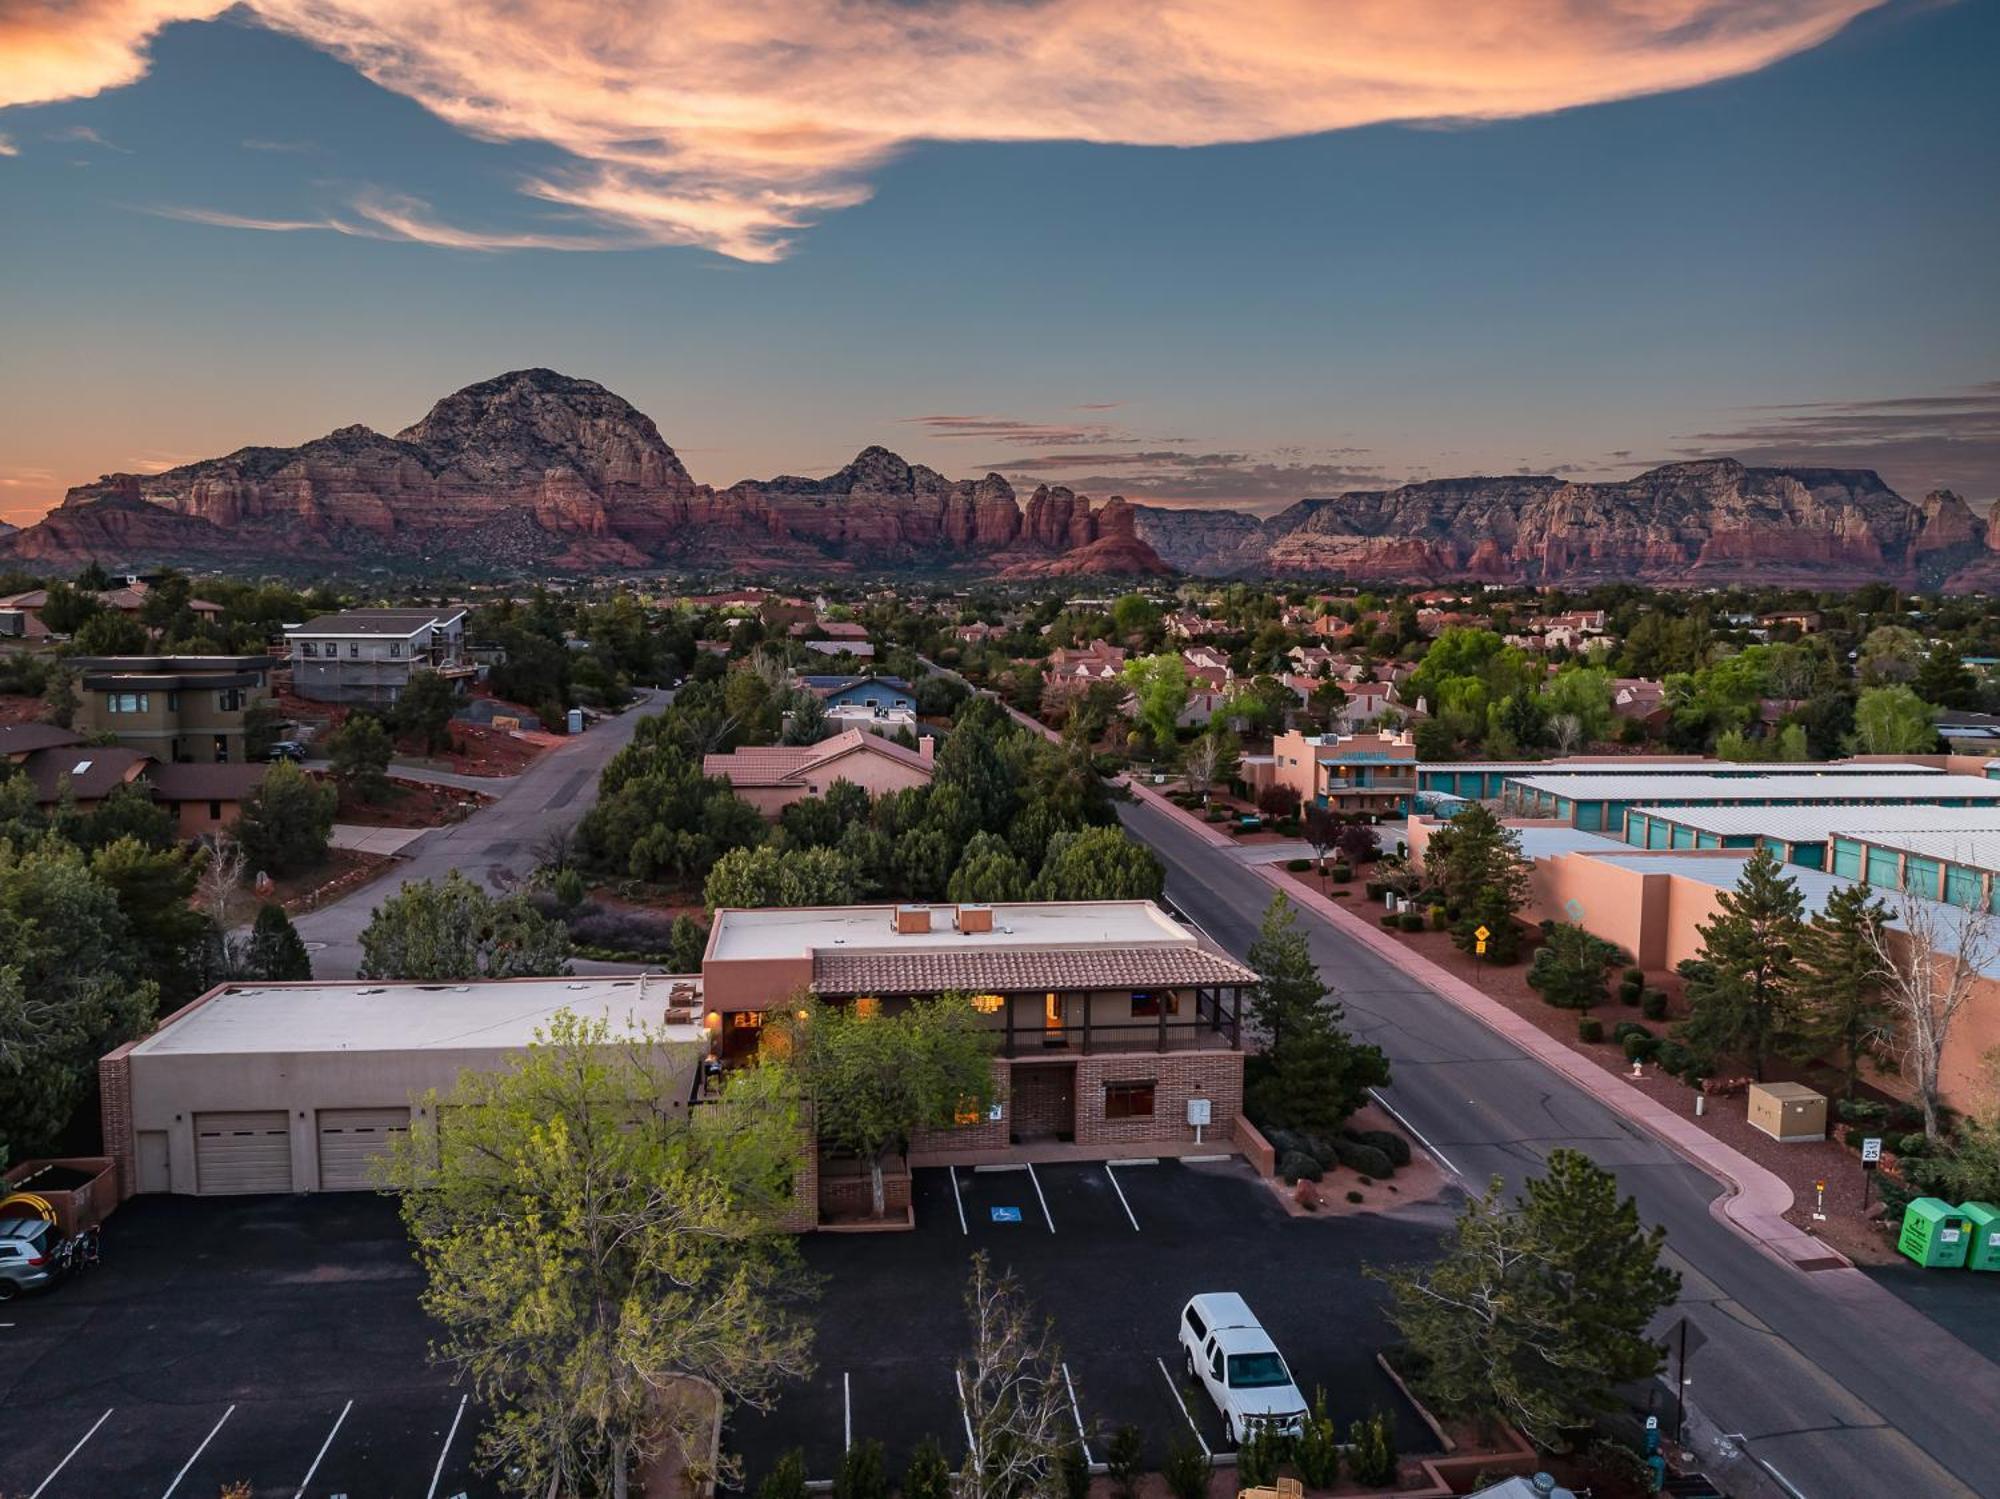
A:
(178, 709)
(1109, 1017)
(880, 705)
(1374, 774)
(367, 656)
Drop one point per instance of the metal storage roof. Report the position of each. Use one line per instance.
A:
(1976, 848)
(1817, 824)
(1904, 786)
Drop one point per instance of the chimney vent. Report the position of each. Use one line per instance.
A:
(912, 920)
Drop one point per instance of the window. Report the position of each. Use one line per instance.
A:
(229, 700)
(353, 650)
(1257, 1371)
(1145, 1006)
(1194, 1323)
(395, 647)
(127, 702)
(307, 648)
(215, 811)
(173, 702)
(1128, 1100)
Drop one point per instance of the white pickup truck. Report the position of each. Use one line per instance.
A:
(1227, 1349)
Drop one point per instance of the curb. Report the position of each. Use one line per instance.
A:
(1755, 1200)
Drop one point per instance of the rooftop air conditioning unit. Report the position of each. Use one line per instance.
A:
(911, 920)
(975, 919)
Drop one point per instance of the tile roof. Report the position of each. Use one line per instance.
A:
(204, 782)
(784, 764)
(25, 738)
(1002, 971)
(91, 770)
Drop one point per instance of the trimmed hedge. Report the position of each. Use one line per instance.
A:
(1412, 921)
(1640, 1048)
(1298, 1166)
(1299, 866)
(1391, 1144)
(1365, 1159)
(1590, 1028)
(1653, 1004)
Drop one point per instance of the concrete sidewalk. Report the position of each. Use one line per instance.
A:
(367, 840)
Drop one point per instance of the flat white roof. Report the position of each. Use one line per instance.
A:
(1642, 765)
(1665, 788)
(362, 1017)
(800, 931)
(1817, 824)
(1976, 848)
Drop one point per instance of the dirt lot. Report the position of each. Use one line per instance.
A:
(407, 804)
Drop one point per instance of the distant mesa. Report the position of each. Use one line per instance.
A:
(535, 471)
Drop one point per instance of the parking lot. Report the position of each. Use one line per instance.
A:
(273, 1341)
(1110, 1253)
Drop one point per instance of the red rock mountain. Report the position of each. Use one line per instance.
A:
(537, 471)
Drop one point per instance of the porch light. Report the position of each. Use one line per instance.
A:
(987, 1004)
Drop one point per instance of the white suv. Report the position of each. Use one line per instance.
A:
(1227, 1349)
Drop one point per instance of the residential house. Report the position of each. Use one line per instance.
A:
(1071, 671)
(772, 777)
(204, 798)
(881, 705)
(1373, 774)
(367, 656)
(175, 708)
(1187, 624)
(128, 598)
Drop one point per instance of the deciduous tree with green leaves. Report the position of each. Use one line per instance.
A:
(873, 1080)
(1743, 989)
(452, 930)
(1893, 721)
(1099, 864)
(1538, 1310)
(1159, 687)
(590, 1250)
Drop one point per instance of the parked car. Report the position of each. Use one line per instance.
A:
(286, 749)
(1229, 1352)
(27, 1255)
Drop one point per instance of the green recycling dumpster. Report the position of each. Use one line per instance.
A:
(1934, 1234)
(1983, 1228)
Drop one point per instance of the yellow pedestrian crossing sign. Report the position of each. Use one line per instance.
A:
(1479, 936)
(1481, 933)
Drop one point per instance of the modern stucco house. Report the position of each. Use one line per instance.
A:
(772, 777)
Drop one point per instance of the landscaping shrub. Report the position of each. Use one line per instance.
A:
(787, 1478)
(929, 1474)
(1258, 1457)
(1867, 1113)
(1073, 1468)
(1653, 1004)
(1613, 1465)
(1680, 1061)
(861, 1475)
(1187, 1471)
(1124, 1461)
(1641, 1047)
(1412, 921)
(1365, 1159)
(1630, 991)
(621, 931)
(1589, 1028)
(1298, 1166)
(1391, 1144)
(1287, 1142)
(1317, 1451)
(1392, 921)
(1371, 1457)
(1299, 866)
(1355, 1197)
(1626, 1028)
(1440, 918)
(1342, 873)
(1633, 976)
(1911, 1145)
(1376, 889)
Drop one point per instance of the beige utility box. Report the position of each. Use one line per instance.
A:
(1788, 1111)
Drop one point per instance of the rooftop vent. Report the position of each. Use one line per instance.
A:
(912, 920)
(975, 919)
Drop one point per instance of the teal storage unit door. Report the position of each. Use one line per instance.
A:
(1656, 833)
(1683, 837)
(1635, 828)
(1921, 876)
(1885, 868)
(1847, 858)
(1962, 885)
(1808, 855)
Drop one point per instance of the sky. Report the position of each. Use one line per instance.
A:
(1192, 253)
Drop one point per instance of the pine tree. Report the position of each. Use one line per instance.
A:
(1475, 861)
(1743, 991)
(1313, 1074)
(276, 950)
(1841, 980)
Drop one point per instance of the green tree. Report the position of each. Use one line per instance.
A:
(285, 822)
(424, 708)
(1099, 864)
(1159, 687)
(1944, 680)
(68, 608)
(276, 952)
(988, 871)
(1584, 694)
(360, 750)
(1537, 1311)
(1312, 1075)
(1568, 970)
(1840, 980)
(1893, 721)
(805, 719)
(152, 887)
(452, 930)
(1133, 614)
(110, 632)
(59, 696)
(587, 1252)
(1743, 988)
(1475, 862)
(873, 1080)
(765, 876)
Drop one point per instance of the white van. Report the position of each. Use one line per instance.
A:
(1227, 1349)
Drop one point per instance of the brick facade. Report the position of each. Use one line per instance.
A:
(1177, 1077)
(114, 1114)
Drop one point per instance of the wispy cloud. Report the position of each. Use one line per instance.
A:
(84, 135)
(1171, 476)
(1948, 440)
(282, 148)
(397, 217)
(7, 146)
(1015, 431)
(687, 122)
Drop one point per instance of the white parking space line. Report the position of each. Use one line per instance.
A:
(197, 1454)
(445, 1451)
(1047, 1216)
(1167, 1375)
(959, 1200)
(72, 1452)
(1390, 1109)
(846, 1413)
(321, 1457)
(1121, 1198)
(1076, 1411)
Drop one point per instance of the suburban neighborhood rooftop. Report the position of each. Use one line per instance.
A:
(802, 931)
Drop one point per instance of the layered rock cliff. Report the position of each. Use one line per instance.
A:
(1713, 521)
(536, 471)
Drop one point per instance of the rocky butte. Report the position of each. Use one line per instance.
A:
(537, 471)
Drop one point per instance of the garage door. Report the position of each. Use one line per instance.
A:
(349, 1142)
(242, 1153)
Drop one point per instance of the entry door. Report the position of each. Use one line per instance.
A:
(155, 1173)
(350, 1140)
(247, 1152)
(1042, 1102)
(1052, 1021)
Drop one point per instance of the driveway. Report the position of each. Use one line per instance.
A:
(1825, 1378)
(553, 793)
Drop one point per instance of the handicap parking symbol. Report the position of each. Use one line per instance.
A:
(1006, 1215)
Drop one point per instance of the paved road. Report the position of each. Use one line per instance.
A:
(554, 792)
(1826, 1379)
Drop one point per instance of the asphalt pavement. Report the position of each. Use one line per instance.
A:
(552, 793)
(1825, 1382)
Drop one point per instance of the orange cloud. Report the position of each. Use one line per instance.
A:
(733, 124)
